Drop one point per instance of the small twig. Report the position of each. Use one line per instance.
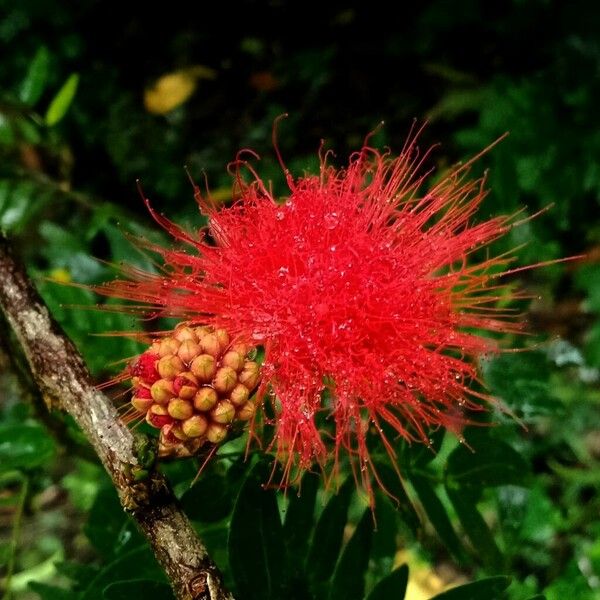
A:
(64, 382)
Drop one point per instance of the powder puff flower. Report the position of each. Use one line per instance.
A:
(360, 288)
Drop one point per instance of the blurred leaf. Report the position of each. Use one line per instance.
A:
(79, 573)
(209, 499)
(299, 517)
(489, 463)
(51, 592)
(392, 586)
(488, 589)
(7, 134)
(62, 101)
(24, 446)
(256, 547)
(139, 563)
(477, 529)
(394, 486)
(436, 513)
(138, 588)
(5, 551)
(349, 576)
(329, 533)
(35, 81)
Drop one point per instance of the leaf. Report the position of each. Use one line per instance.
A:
(392, 586)
(60, 104)
(329, 533)
(395, 489)
(109, 528)
(349, 576)
(24, 446)
(299, 518)
(139, 563)
(490, 588)
(35, 81)
(256, 547)
(437, 515)
(491, 462)
(209, 499)
(51, 592)
(138, 588)
(477, 529)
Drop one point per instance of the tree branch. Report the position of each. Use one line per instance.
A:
(64, 382)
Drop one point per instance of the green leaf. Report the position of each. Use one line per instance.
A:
(392, 586)
(60, 104)
(35, 81)
(138, 588)
(256, 547)
(349, 576)
(437, 515)
(394, 487)
(24, 446)
(329, 533)
(488, 589)
(51, 592)
(489, 463)
(209, 499)
(139, 563)
(299, 518)
(477, 529)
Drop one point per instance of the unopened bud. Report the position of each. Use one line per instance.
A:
(157, 416)
(223, 412)
(184, 333)
(250, 374)
(180, 409)
(239, 394)
(177, 432)
(216, 433)
(223, 338)
(233, 359)
(205, 399)
(210, 344)
(204, 367)
(185, 385)
(168, 346)
(144, 368)
(246, 412)
(170, 366)
(195, 426)
(141, 404)
(241, 349)
(188, 351)
(162, 391)
(201, 332)
(225, 380)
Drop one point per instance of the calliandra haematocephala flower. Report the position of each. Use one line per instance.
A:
(360, 287)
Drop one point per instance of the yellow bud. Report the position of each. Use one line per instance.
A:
(223, 338)
(180, 409)
(210, 344)
(195, 426)
(225, 380)
(241, 349)
(184, 333)
(246, 412)
(170, 366)
(204, 367)
(205, 399)
(141, 404)
(167, 347)
(178, 432)
(223, 412)
(162, 391)
(250, 374)
(216, 433)
(233, 359)
(188, 351)
(239, 394)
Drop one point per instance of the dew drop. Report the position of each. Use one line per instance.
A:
(279, 215)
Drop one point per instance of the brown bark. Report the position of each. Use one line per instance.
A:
(65, 384)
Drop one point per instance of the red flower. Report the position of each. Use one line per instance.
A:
(359, 288)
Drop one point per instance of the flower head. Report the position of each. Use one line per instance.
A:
(359, 288)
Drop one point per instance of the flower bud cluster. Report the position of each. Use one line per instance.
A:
(193, 385)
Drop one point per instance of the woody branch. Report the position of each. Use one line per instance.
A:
(65, 384)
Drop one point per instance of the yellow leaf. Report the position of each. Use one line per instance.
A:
(173, 89)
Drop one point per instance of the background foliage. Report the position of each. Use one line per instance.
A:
(94, 95)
